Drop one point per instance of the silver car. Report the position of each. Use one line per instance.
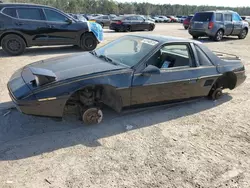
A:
(216, 24)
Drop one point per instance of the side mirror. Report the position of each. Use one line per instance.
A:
(149, 70)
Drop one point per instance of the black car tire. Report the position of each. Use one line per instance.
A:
(195, 37)
(13, 45)
(186, 27)
(219, 35)
(88, 42)
(151, 28)
(243, 34)
(128, 29)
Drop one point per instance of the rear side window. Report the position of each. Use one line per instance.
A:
(54, 16)
(228, 17)
(140, 18)
(203, 59)
(105, 17)
(10, 12)
(218, 17)
(203, 16)
(30, 13)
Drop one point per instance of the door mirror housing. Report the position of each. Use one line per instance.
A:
(150, 69)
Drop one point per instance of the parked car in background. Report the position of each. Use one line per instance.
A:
(181, 19)
(186, 22)
(158, 20)
(132, 71)
(131, 23)
(165, 19)
(216, 24)
(79, 17)
(26, 25)
(103, 20)
(147, 18)
(246, 19)
(173, 18)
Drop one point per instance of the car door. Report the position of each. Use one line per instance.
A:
(228, 22)
(237, 23)
(106, 20)
(31, 22)
(177, 79)
(143, 24)
(135, 23)
(61, 29)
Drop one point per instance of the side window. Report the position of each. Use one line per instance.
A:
(128, 18)
(140, 18)
(10, 12)
(171, 56)
(218, 17)
(228, 17)
(53, 16)
(236, 17)
(105, 17)
(30, 13)
(203, 59)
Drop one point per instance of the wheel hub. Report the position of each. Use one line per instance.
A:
(13, 45)
(92, 116)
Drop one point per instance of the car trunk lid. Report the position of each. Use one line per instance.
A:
(201, 21)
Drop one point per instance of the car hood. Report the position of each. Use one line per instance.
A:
(71, 66)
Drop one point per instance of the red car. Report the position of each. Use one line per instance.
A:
(186, 22)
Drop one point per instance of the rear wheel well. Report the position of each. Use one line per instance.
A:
(95, 95)
(12, 33)
(227, 80)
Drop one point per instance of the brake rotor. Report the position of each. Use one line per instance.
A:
(92, 116)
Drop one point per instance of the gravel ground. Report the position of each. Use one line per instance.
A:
(201, 144)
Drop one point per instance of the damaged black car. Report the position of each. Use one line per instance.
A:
(132, 71)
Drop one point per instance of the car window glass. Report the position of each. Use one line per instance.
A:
(30, 13)
(236, 17)
(218, 17)
(128, 50)
(10, 12)
(228, 17)
(140, 18)
(54, 16)
(203, 16)
(171, 56)
(105, 17)
(203, 59)
(128, 18)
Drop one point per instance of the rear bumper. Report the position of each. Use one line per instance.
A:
(200, 32)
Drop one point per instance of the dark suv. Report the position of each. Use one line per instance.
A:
(26, 25)
(216, 24)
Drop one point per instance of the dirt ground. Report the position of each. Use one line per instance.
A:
(201, 144)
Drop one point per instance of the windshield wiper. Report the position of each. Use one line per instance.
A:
(107, 59)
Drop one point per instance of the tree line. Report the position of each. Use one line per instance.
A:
(113, 7)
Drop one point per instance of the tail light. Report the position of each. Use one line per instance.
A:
(119, 22)
(210, 25)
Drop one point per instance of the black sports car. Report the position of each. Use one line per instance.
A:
(129, 72)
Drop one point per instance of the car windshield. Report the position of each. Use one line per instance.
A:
(203, 16)
(127, 51)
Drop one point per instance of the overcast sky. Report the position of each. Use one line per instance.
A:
(233, 3)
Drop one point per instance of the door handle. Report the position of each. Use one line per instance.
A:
(192, 81)
(51, 26)
(19, 23)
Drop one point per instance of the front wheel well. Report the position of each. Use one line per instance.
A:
(12, 33)
(95, 95)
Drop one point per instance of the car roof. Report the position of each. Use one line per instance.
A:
(2, 5)
(165, 39)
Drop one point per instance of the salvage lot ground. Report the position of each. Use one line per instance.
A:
(198, 144)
